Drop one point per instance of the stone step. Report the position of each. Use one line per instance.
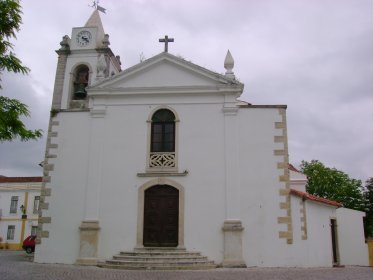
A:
(163, 258)
(147, 249)
(165, 267)
(158, 262)
(159, 253)
(159, 258)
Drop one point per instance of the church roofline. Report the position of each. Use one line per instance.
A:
(314, 198)
(167, 56)
(163, 90)
(248, 105)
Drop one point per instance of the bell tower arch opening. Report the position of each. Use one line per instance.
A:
(80, 82)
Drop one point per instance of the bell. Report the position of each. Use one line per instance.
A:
(80, 92)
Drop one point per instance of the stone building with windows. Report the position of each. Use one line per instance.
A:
(19, 205)
(162, 159)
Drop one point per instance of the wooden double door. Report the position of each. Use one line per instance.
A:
(161, 216)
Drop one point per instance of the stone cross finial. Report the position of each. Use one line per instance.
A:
(165, 41)
(228, 65)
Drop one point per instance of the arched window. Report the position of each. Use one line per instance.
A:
(163, 131)
(81, 78)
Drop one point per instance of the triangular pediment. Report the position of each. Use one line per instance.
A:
(164, 71)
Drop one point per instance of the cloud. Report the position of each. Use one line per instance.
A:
(315, 56)
(22, 158)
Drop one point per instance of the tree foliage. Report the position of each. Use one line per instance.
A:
(10, 21)
(10, 124)
(11, 110)
(333, 184)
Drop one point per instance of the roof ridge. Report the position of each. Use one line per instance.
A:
(308, 196)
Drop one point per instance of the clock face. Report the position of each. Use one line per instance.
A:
(83, 38)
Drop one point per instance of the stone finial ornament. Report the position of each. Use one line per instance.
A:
(101, 67)
(65, 43)
(228, 65)
(106, 41)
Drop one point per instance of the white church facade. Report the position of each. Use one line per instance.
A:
(162, 156)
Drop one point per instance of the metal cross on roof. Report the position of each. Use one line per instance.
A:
(165, 41)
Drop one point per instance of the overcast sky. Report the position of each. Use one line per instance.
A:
(315, 56)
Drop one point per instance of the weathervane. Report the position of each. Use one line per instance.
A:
(165, 41)
(98, 7)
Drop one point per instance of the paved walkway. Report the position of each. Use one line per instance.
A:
(16, 266)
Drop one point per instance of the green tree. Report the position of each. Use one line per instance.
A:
(10, 124)
(368, 196)
(333, 184)
(12, 109)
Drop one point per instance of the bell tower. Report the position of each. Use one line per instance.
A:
(83, 59)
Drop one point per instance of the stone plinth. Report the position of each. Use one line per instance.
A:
(88, 243)
(233, 244)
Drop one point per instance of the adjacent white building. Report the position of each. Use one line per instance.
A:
(19, 204)
(163, 154)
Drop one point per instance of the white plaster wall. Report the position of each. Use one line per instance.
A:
(351, 242)
(316, 250)
(125, 156)
(166, 74)
(125, 137)
(319, 247)
(298, 181)
(260, 186)
(67, 200)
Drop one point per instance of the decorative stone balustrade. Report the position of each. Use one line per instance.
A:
(162, 160)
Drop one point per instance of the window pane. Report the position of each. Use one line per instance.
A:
(169, 128)
(168, 147)
(13, 204)
(157, 128)
(163, 131)
(10, 233)
(157, 147)
(36, 204)
(157, 137)
(169, 137)
(163, 115)
(33, 230)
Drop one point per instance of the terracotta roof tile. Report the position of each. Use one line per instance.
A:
(292, 168)
(4, 179)
(311, 197)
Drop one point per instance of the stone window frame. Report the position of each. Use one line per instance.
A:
(148, 168)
